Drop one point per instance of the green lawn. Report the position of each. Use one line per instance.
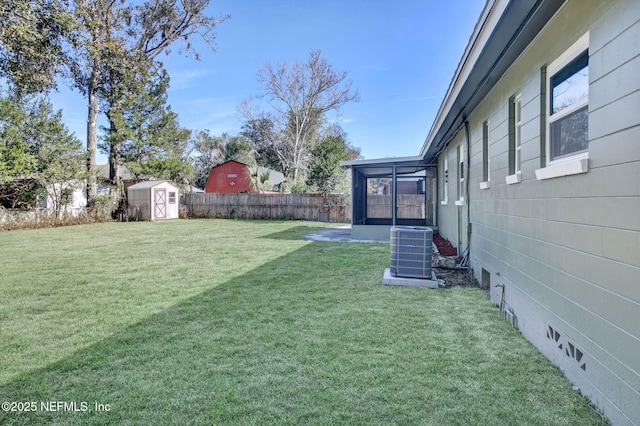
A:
(234, 322)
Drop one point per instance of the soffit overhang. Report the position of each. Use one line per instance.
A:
(504, 30)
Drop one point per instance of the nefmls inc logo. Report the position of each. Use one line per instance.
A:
(64, 406)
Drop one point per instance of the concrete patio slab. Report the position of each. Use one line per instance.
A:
(341, 235)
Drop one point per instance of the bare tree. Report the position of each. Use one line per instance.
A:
(300, 95)
(162, 22)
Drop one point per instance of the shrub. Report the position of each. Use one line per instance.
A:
(101, 208)
(100, 211)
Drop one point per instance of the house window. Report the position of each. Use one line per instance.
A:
(515, 139)
(172, 198)
(445, 181)
(486, 159)
(66, 196)
(569, 102)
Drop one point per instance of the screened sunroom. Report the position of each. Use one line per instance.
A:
(390, 192)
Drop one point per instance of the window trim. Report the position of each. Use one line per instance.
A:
(445, 181)
(461, 176)
(574, 51)
(518, 135)
(515, 144)
(174, 197)
(570, 164)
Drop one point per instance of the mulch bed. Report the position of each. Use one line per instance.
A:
(453, 277)
(456, 277)
(444, 246)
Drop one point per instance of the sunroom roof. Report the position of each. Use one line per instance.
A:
(384, 166)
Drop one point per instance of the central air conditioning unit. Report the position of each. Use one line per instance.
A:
(411, 251)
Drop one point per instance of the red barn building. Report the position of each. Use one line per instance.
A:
(232, 177)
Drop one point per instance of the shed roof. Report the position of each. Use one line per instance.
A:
(150, 184)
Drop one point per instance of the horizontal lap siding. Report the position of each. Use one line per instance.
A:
(567, 249)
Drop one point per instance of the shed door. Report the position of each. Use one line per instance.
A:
(160, 203)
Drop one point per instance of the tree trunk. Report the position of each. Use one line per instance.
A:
(114, 164)
(92, 121)
(115, 150)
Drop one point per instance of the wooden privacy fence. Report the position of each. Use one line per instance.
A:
(269, 206)
(410, 206)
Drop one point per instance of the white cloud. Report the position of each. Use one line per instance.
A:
(184, 79)
(215, 114)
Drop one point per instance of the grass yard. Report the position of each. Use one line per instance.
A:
(234, 322)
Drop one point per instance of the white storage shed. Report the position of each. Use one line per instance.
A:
(153, 200)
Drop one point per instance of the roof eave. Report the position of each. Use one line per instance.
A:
(380, 161)
(503, 31)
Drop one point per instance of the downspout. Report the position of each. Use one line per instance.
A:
(466, 255)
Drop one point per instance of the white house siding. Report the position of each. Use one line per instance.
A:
(77, 198)
(566, 249)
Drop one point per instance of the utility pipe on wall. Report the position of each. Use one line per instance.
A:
(467, 255)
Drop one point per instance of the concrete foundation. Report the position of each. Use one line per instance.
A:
(389, 279)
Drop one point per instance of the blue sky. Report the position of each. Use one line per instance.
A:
(399, 55)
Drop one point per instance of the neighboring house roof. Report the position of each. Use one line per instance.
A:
(195, 189)
(103, 170)
(275, 177)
